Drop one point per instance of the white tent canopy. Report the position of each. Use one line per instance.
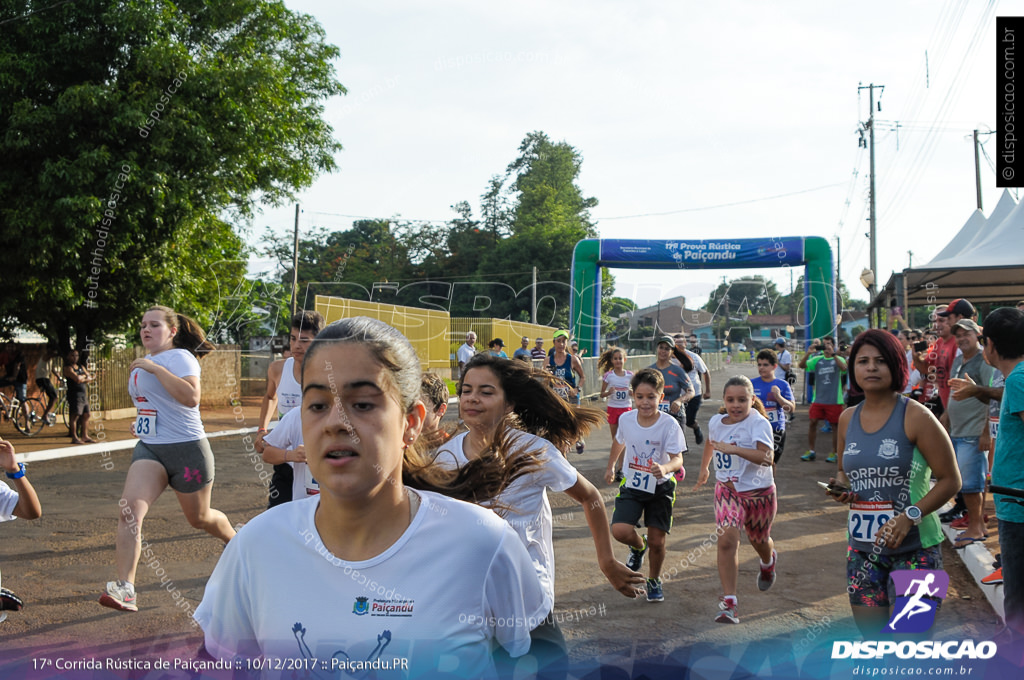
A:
(984, 262)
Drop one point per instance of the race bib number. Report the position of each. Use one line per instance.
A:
(993, 427)
(640, 480)
(867, 518)
(723, 461)
(663, 406)
(773, 415)
(145, 423)
(563, 392)
(620, 395)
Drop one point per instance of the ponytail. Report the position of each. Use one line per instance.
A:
(190, 335)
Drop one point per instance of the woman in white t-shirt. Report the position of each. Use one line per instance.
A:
(503, 400)
(740, 441)
(615, 386)
(375, 569)
(173, 449)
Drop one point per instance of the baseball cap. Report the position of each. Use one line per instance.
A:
(968, 325)
(780, 341)
(498, 341)
(561, 333)
(667, 339)
(958, 306)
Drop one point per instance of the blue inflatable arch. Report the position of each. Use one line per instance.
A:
(813, 252)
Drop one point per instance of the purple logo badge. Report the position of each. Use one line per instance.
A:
(919, 592)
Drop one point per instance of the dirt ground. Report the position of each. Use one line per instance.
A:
(58, 565)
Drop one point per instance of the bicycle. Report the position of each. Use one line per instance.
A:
(61, 407)
(27, 417)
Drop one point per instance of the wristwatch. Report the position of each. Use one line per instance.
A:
(19, 474)
(913, 513)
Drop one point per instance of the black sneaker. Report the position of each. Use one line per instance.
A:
(636, 557)
(698, 435)
(950, 515)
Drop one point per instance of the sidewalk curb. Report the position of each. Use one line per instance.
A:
(979, 561)
(105, 447)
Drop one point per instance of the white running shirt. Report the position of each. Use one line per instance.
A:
(527, 498)
(744, 474)
(456, 579)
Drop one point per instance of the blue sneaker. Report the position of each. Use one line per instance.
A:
(810, 455)
(654, 593)
(827, 427)
(636, 557)
(831, 458)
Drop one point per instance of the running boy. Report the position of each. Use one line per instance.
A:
(653, 452)
(740, 439)
(776, 395)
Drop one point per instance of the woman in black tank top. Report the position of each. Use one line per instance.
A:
(884, 463)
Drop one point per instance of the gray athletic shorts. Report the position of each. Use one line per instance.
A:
(189, 465)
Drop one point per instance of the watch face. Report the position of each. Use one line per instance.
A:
(914, 512)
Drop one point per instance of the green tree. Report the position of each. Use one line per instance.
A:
(133, 135)
(549, 215)
(739, 298)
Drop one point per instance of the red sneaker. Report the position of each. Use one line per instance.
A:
(995, 578)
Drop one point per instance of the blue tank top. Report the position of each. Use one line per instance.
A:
(887, 473)
(564, 370)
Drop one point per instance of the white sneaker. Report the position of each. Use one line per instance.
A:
(51, 419)
(119, 597)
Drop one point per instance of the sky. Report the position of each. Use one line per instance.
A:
(694, 119)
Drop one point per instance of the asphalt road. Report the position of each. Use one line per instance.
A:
(59, 564)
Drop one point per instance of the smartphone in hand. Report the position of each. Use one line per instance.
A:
(834, 489)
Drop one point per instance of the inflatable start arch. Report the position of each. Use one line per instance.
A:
(813, 252)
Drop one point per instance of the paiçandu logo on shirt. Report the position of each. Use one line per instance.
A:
(361, 606)
(392, 607)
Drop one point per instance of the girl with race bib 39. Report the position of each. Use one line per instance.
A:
(741, 443)
(173, 449)
(889, 447)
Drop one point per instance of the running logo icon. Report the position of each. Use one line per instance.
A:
(919, 593)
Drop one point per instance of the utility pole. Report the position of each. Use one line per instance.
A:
(533, 298)
(977, 170)
(839, 268)
(295, 265)
(873, 289)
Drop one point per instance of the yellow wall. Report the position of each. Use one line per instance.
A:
(434, 334)
(427, 329)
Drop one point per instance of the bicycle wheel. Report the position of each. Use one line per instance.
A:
(28, 417)
(62, 410)
(5, 404)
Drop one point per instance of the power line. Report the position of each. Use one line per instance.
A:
(724, 205)
(35, 11)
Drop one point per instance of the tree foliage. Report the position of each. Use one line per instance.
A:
(533, 215)
(133, 135)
